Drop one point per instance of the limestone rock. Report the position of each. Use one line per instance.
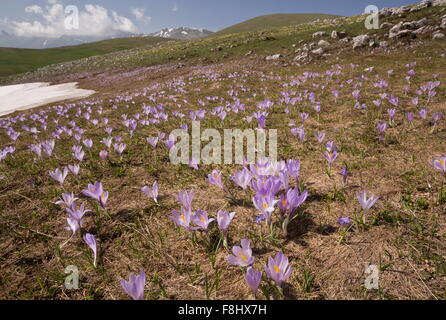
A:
(360, 41)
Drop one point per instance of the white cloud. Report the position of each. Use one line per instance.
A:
(175, 8)
(94, 20)
(34, 9)
(140, 15)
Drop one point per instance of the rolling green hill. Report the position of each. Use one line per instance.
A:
(273, 21)
(14, 61)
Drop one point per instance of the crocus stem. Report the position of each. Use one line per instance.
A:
(225, 242)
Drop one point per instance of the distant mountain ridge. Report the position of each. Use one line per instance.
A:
(182, 33)
(13, 41)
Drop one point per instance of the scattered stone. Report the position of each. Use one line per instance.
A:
(395, 29)
(273, 57)
(383, 44)
(320, 34)
(301, 57)
(334, 35)
(385, 25)
(342, 34)
(318, 51)
(323, 43)
(360, 41)
(421, 23)
(438, 36)
(405, 33)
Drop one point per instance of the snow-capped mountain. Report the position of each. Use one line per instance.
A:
(13, 41)
(182, 33)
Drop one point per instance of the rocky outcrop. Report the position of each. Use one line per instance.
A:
(438, 36)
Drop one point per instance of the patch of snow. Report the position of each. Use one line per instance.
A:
(31, 95)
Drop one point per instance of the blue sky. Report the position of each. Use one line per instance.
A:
(152, 15)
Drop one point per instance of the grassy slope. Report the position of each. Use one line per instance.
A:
(13, 61)
(273, 21)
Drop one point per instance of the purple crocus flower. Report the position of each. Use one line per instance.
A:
(261, 122)
(253, 279)
(74, 169)
(75, 217)
(241, 256)
(292, 200)
(439, 163)
(242, 178)
(393, 100)
(107, 142)
(278, 269)
(330, 156)
(169, 143)
(79, 155)
(193, 163)
(201, 219)
(182, 218)
(377, 103)
(356, 94)
(366, 203)
(73, 225)
(224, 219)
(265, 204)
(391, 113)
(344, 174)
(330, 146)
(88, 143)
(293, 168)
(67, 199)
(268, 185)
(381, 127)
(320, 136)
(90, 240)
(103, 155)
(215, 179)
(97, 193)
(153, 141)
(304, 116)
(134, 287)
(409, 117)
(437, 117)
(185, 199)
(119, 148)
(151, 192)
(344, 221)
(59, 175)
(423, 114)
